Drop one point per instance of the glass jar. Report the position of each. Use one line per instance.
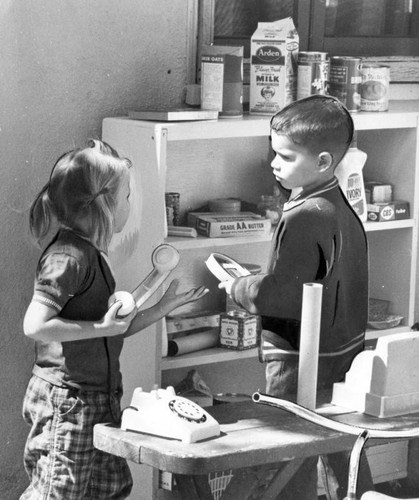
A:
(270, 206)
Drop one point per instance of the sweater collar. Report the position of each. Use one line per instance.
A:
(302, 196)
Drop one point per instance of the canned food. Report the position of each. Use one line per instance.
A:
(172, 208)
(313, 74)
(375, 87)
(345, 81)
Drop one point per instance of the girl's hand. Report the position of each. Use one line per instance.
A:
(172, 300)
(114, 324)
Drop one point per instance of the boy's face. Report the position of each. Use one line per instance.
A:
(295, 166)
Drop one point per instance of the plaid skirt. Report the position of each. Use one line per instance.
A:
(59, 455)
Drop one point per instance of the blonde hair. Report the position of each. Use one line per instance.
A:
(84, 185)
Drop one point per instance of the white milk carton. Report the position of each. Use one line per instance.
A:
(274, 65)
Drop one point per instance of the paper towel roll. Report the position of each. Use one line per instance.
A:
(193, 342)
(309, 345)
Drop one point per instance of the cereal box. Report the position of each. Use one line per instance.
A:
(274, 66)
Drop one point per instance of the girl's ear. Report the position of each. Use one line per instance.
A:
(325, 161)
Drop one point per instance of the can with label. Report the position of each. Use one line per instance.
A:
(345, 81)
(313, 74)
(375, 87)
(172, 208)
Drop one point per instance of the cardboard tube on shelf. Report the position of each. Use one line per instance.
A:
(309, 345)
(193, 342)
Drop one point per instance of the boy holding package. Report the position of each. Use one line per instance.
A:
(319, 239)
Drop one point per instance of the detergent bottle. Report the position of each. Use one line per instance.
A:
(349, 174)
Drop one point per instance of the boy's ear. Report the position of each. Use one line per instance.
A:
(325, 161)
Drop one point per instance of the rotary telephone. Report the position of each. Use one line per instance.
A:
(162, 413)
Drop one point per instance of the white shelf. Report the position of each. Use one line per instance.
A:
(401, 114)
(204, 242)
(386, 226)
(147, 141)
(181, 243)
(213, 355)
(220, 354)
(375, 334)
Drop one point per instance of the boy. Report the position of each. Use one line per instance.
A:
(318, 239)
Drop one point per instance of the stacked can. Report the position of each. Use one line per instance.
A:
(345, 81)
(313, 74)
(375, 87)
(172, 208)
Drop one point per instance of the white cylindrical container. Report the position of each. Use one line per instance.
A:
(351, 179)
(309, 345)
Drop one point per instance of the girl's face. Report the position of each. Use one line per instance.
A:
(294, 166)
(123, 205)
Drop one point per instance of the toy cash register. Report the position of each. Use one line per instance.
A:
(162, 413)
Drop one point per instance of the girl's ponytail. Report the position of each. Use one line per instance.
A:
(40, 215)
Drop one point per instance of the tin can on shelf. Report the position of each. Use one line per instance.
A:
(313, 74)
(375, 87)
(345, 81)
(172, 208)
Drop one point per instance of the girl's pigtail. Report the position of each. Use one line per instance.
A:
(40, 214)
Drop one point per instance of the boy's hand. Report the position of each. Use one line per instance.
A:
(226, 285)
(172, 300)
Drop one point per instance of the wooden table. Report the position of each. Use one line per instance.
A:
(252, 436)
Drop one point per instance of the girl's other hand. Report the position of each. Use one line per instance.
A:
(172, 300)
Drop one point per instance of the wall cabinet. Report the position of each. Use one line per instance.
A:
(229, 157)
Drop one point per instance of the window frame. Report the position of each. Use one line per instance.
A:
(370, 46)
(310, 24)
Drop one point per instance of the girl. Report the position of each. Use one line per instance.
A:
(76, 382)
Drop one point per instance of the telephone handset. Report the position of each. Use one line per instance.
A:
(162, 413)
(164, 259)
(224, 268)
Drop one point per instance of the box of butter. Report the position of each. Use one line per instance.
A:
(216, 225)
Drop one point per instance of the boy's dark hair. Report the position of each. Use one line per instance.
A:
(319, 123)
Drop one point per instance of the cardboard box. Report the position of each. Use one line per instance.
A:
(273, 69)
(382, 212)
(239, 331)
(192, 321)
(193, 216)
(222, 79)
(219, 225)
(378, 192)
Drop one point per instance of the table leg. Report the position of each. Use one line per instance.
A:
(246, 482)
(194, 487)
(281, 478)
(243, 484)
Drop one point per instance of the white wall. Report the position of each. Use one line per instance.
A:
(64, 66)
